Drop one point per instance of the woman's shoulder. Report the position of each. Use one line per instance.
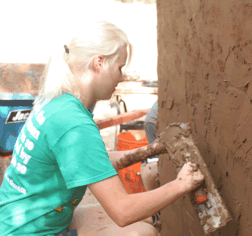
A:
(64, 113)
(61, 116)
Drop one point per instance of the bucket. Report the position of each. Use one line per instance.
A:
(130, 176)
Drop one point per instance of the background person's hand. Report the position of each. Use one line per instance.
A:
(191, 176)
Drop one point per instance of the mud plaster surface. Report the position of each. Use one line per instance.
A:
(204, 70)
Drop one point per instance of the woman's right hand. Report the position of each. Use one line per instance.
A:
(190, 176)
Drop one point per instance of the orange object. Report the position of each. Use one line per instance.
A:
(201, 196)
(120, 119)
(130, 176)
(5, 157)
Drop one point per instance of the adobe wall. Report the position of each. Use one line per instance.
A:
(205, 71)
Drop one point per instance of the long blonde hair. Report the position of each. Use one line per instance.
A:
(101, 38)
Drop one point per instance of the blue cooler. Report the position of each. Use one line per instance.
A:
(14, 111)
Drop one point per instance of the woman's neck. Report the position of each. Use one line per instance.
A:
(86, 101)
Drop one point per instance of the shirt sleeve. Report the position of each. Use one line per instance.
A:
(82, 157)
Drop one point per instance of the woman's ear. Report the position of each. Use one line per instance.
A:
(98, 63)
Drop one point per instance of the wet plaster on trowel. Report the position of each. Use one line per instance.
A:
(205, 71)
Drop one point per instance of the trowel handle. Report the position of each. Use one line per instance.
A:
(200, 196)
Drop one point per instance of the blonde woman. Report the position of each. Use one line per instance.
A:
(60, 152)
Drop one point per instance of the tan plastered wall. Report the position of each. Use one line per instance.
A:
(205, 72)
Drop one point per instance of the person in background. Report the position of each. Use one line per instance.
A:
(151, 122)
(60, 152)
(149, 168)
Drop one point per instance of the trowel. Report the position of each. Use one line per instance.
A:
(177, 141)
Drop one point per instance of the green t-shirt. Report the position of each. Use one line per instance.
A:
(58, 152)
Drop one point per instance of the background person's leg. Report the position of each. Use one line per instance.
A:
(149, 168)
(149, 175)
